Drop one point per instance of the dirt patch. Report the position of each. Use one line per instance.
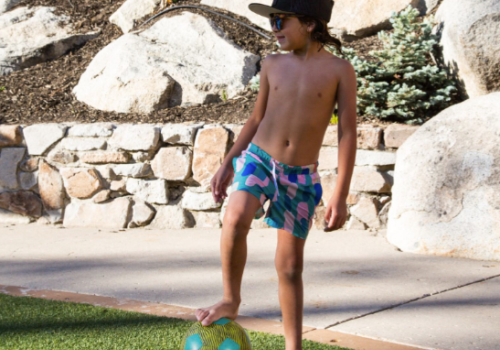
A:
(42, 93)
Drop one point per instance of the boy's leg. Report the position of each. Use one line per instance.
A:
(239, 214)
(289, 265)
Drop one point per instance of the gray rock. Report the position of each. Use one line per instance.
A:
(32, 35)
(21, 202)
(132, 170)
(40, 137)
(180, 133)
(142, 213)
(28, 180)
(112, 214)
(445, 198)
(151, 191)
(206, 219)
(371, 179)
(169, 217)
(91, 130)
(83, 144)
(198, 201)
(470, 41)
(378, 158)
(51, 187)
(159, 67)
(360, 18)
(10, 135)
(57, 156)
(135, 137)
(209, 152)
(10, 157)
(396, 134)
(173, 163)
(366, 211)
(81, 183)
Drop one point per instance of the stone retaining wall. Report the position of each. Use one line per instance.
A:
(130, 175)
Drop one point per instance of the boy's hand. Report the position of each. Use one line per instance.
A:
(336, 214)
(220, 181)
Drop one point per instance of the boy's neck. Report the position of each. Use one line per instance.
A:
(310, 51)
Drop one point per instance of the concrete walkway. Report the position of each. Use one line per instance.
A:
(355, 283)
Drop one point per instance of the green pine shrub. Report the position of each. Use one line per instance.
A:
(400, 85)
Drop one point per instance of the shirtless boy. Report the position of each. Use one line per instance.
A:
(276, 157)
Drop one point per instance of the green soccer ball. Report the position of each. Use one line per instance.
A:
(223, 334)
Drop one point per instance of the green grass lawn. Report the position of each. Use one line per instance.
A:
(32, 323)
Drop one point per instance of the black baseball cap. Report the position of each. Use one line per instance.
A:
(321, 9)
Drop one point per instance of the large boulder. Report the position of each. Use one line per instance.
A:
(446, 192)
(180, 60)
(470, 41)
(359, 18)
(32, 35)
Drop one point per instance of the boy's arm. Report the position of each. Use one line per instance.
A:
(252, 124)
(347, 133)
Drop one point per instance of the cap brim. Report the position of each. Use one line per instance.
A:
(265, 10)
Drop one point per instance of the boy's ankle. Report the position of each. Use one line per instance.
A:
(236, 301)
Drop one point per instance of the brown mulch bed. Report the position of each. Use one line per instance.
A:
(42, 93)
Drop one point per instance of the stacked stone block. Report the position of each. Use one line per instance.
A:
(131, 175)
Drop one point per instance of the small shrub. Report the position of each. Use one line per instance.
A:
(401, 86)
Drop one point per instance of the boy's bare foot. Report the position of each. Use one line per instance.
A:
(222, 309)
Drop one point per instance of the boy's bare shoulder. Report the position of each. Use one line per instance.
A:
(273, 57)
(340, 63)
(340, 68)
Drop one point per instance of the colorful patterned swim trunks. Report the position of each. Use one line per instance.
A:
(294, 191)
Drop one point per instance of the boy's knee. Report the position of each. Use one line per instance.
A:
(290, 269)
(237, 220)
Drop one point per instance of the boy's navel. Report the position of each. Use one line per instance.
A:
(319, 94)
(275, 88)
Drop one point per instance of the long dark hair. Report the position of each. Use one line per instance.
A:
(320, 32)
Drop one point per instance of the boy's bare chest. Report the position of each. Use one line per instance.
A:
(298, 111)
(310, 88)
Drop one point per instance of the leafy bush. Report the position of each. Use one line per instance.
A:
(401, 86)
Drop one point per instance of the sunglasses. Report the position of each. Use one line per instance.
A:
(278, 18)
